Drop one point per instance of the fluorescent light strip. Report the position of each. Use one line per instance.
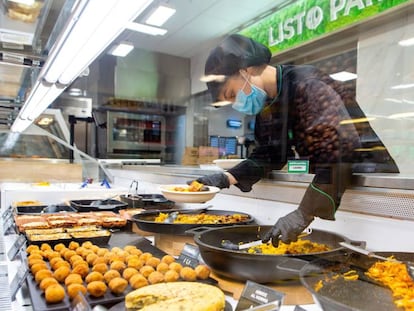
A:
(155, 31)
(39, 99)
(402, 86)
(160, 16)
(407, 42)
(25, 2)
(93, 25)
(343, 76)
(402, 115)
(122, 49)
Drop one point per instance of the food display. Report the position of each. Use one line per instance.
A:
(102, 274)
(204, 218)
(395, 276)
(191, 296)
(301, 246)
(195, 186)
(194, 193)
(68, 220)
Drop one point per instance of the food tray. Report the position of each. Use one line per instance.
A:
(98, 205)
(120, 240)
(147, 201)
(40, 209)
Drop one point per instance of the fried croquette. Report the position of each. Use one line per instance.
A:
(73, 278)
(94, 276)
(31, 248)
(167, 259)
(118, 285)
(73, 245)
(135, 263)
(188, 274)
(202, 272)
(38, 266)
(111, 274)
(118, 265)
(96, 288)
(100, 267)
(74, 289)
(175, 266)
(156, 277)
(54, 293)
(128, 272)
(171, 276)
(137, 281)
(46, 282)
(153, 261)
(81, 269)
(61, 273)
(146, 270)
(162, 267)
(42, 274)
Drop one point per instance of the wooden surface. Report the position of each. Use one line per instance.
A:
(295, 293)
(38, 171)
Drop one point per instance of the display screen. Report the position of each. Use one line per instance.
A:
(226, 145)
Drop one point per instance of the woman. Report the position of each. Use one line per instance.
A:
(299, 111)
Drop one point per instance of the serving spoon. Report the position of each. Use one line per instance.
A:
(408, 264)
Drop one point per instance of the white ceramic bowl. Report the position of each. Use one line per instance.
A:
(227, 163)
(188, 197)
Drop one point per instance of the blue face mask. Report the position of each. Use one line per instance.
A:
(250, 104)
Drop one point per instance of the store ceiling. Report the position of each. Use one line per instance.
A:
(195, 25)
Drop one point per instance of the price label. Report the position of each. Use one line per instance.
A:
(16, 247)
(18, 280)
(255, 295)
(189, 255)
(298, 308)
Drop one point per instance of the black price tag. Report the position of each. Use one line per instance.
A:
(18, 280)
(16, 247)
(255, 295)
(189, 255)
(298, 308)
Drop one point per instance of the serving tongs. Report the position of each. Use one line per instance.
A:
(227, 244)
(133, 192)
(371, 254)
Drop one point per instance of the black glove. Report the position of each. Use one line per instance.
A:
(316, 202)
(288, 227)
(219, 180)
(247, 173)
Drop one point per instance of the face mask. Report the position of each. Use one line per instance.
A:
(252, 103)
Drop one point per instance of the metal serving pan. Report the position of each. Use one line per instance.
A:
(147, 201)
(260, 268)
(363, 294)
(145, 221)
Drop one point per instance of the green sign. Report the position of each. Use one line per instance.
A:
(298, 166)
(305, 20)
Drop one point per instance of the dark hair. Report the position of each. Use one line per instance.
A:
(235, 52)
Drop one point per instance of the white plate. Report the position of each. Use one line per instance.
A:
(188, 197)
(227, 163)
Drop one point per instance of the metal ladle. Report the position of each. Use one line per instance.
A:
(408, 264)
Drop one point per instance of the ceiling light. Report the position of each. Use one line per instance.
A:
(221, 103)
(402, 115)
(155, 31)
(407, 42)
(92, 26)
(122, 49)
(213, 78)
(402, 86)
(358, 120)
(25, 2)
(343, 76)
(160, 16)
